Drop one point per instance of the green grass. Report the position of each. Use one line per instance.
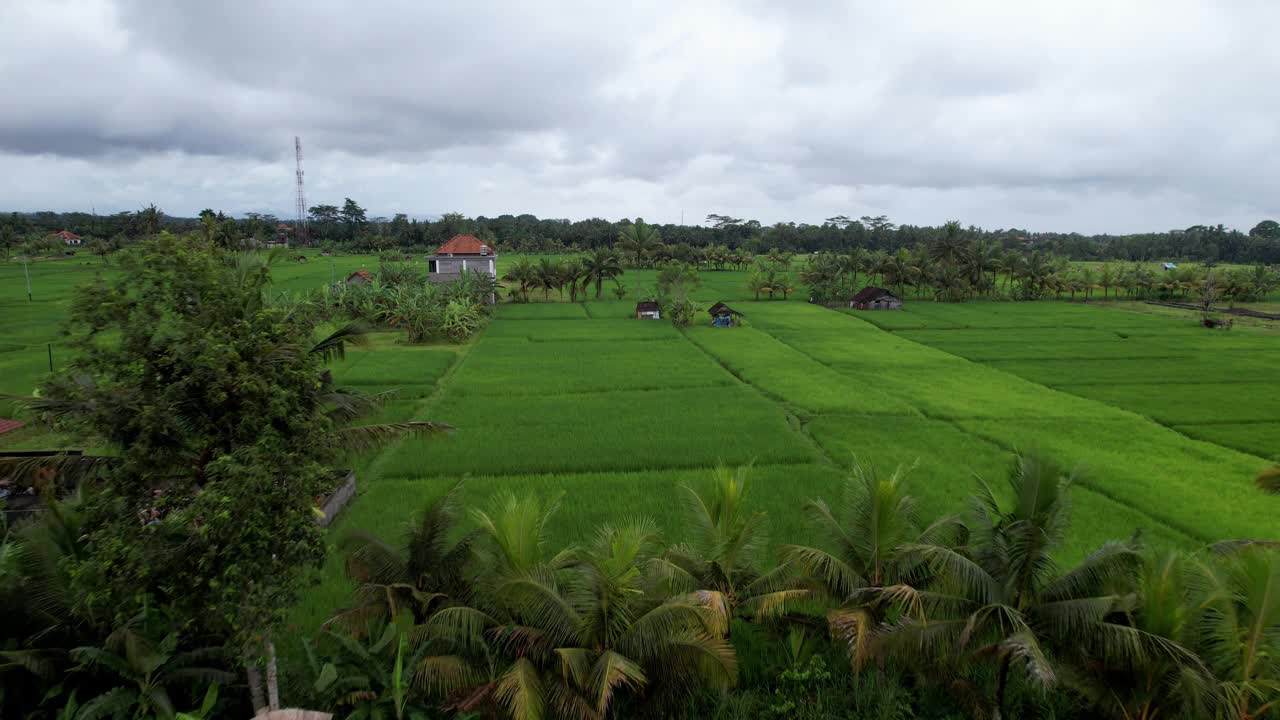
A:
(500, 366)
(542, 311)
(631, 430)
(791, 376)
(596, 330)
(1211, 368)
(1258, 438)
(1190, 403)
(386, 366)
(1200, 489)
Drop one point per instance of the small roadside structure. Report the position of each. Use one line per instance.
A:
(68, 238)
(723, 316)
(875, 298)
(359, 277)
(8, 425)
(648, 310)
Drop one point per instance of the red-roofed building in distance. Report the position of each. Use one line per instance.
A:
(462, 254)
(68, 238)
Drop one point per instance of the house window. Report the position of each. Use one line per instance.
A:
(431, 266)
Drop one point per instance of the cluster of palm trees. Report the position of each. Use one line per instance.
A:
(772, 275)
(577, 275)
(641, 246)
(953, 268)
(624, 625)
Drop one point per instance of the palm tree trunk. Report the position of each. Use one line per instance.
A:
(256, 696)
(273, 685)
(1002, 684)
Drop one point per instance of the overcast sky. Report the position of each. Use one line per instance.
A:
(1114, 115)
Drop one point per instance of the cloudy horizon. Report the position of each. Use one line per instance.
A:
(1089, 117)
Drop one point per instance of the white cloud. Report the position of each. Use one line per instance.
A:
(1090, 116)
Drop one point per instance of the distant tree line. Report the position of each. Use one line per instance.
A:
(349, 226)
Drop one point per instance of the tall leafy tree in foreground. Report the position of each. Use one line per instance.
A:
(222, 423)
(873, 558)
(1005, 604)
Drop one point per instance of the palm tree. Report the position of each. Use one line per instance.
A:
(725, 551)
(599, 266)
(602, 629)
(640, 240)
(1171, 680)
(1002, 599)
(950, 247)
(982, 258)
(1240, 629)
(758, 281)
(1107, 279)
(870, 561)
(547, 276)
(582, 628)
(429, 572)
(146, 673)
(523, 274)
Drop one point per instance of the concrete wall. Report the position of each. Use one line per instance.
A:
(338, 499)
(449, 269)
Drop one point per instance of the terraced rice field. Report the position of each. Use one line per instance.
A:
(1168, 423)
(614, 413)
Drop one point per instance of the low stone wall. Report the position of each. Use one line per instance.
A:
(338, 499)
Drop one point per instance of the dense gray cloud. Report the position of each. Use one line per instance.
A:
(1090, 116)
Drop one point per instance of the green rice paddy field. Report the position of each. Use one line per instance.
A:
(1170, 423)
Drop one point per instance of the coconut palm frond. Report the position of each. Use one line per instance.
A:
(1114, 562)
(520, 691)
(444, 674)
(612, 672)
(334, 346)
(835, 575)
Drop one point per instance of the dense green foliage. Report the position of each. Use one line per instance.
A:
(349, 225)
(220, 424)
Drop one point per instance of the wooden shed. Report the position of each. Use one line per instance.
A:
(723, 316)
(875, 298)
(648, 310)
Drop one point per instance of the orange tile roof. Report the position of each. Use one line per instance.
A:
(465, 245)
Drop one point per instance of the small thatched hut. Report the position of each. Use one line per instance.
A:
(723, 316)
(875, 298)
(648, 310)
